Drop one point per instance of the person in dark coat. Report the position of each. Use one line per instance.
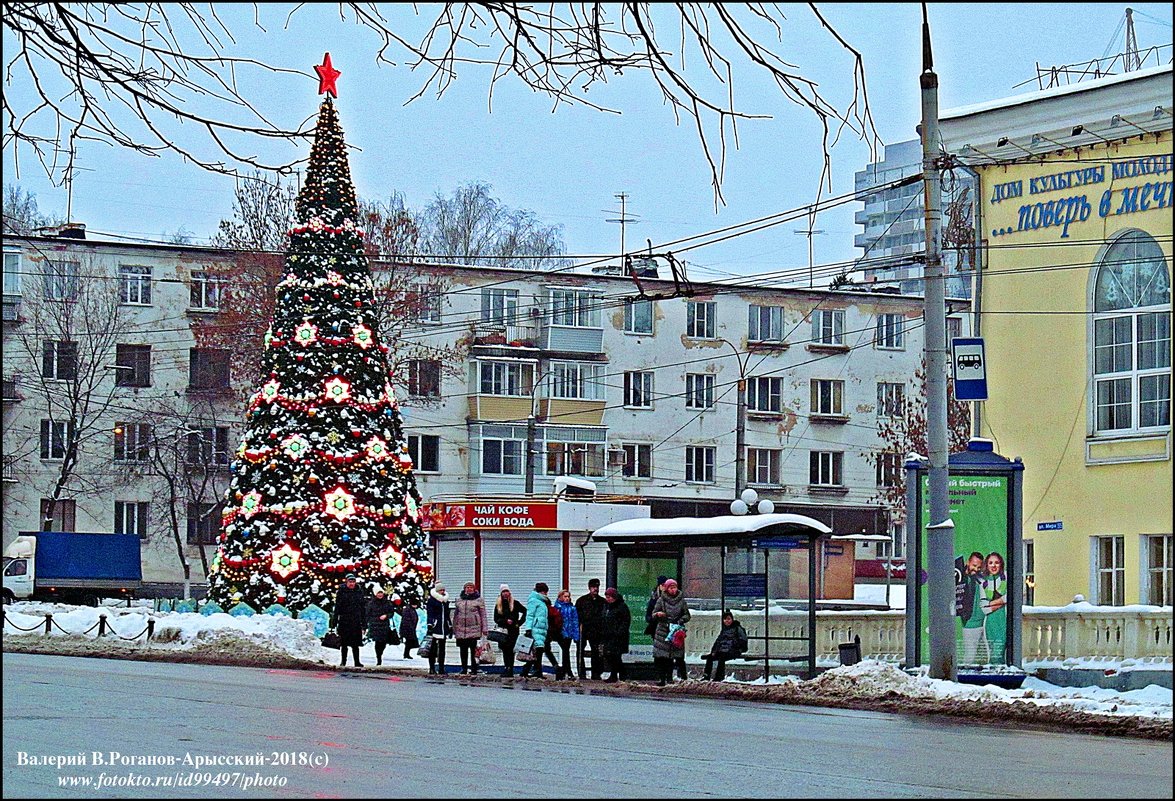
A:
(650, 624)
(380, 612)
(670, 612)
(731, 643)
(440, 626)
(615, 622)
(349, 619)
(590, 608)
(409, 619)
(508, 615)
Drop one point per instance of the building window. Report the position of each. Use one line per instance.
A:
(638, 316)
(502, 456)
(699, 464)
(134, 285)
(954, 328)
(12, 272)
(130, 517)
(1029, 573)
(203, 523)
(205, 292)
(891, 400)
(132, 366)
(425, 450)
(828, 397)
(59, 360)
(699, 391)
(577, 381)
(575, 459)
(896, 547)
(765, 324)
(1110, 570)
(638, 390)
(575, 308)
(424, 378)
(61, 279)
(889, 470)
(765, 394)
(208, 368)
(890, 331)
(208, 447)
(828, 327)
(132, 442)
(638, 460)
(824, 468)
(1158, 561)
(763, 466)
(499, 306)
(701, 319)
(428, 301)
(1132, 337)
(55, 438)
(510, 379)
(64, 517)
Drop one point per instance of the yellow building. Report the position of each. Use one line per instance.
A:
(1074, 303)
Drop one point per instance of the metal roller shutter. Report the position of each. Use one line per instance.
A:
(455, 563)
(520, 561)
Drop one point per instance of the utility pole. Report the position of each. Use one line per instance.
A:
(808, 232)
(940, 530)
(623, 219)
(740, 423)
(1130, 60)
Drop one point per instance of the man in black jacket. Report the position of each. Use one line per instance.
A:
(731, 643)
(590, 608)
(350, 619)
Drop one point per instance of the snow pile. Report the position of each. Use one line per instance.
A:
(176, 631)
(872, 679)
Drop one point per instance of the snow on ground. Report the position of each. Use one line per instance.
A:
(282, 636)
(184, 631)
(871, 678)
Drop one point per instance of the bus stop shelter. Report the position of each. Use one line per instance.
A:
(727, 560)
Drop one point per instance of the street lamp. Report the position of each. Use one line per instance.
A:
(531, 427)
(748, 500)
(740, 426)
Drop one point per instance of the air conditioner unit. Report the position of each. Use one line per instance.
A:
(617, 457)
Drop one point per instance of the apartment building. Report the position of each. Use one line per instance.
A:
(635, 390)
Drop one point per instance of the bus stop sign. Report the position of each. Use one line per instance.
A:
(969, 368)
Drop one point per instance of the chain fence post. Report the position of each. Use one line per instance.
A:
(101, 625)
(150, 628)
(48, 622)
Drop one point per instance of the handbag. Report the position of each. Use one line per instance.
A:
(524, 648)
(498, 635)
(426, 647)
(330, 639)
(393, 638)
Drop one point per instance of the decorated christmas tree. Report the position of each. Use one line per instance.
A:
(322, 482)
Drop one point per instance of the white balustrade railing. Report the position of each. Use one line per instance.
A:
(1077, 631)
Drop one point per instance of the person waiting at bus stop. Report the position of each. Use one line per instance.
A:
(731, 643)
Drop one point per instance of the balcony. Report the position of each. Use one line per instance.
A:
(12, 309)
(490, 336)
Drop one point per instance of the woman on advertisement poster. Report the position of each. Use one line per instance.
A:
(995, 599)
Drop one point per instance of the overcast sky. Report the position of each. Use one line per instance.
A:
(566, 166)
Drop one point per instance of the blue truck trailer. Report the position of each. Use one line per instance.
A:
(72, 567)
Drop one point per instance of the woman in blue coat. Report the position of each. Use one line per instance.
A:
(536, 625)
(569, 634)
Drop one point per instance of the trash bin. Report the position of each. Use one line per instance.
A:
(850, 652)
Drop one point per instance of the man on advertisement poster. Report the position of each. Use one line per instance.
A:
(970, 605)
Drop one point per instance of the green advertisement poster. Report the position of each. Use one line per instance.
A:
(979, 510)
(635, 579)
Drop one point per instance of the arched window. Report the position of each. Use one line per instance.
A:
(1132, 337)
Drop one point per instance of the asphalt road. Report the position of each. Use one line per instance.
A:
(416, 737)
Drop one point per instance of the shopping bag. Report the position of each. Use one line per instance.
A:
(485, 652)
(524, 648)
(426, 648)
(498, 635)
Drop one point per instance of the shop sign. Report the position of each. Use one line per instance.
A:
(445, 516)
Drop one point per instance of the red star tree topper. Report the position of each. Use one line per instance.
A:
(327, 75)
(314, 495)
